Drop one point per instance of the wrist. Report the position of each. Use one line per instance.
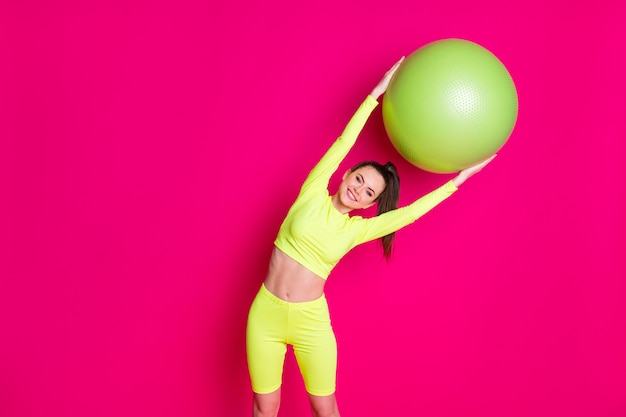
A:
(458, 180)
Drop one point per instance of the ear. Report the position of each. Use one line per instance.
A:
(345, 175)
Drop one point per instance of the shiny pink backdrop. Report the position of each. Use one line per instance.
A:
(150, 149)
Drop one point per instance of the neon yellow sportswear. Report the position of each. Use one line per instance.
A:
(316, 235)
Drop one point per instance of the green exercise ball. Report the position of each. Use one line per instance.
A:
(450, 105)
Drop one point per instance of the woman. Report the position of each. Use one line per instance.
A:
(290, 307)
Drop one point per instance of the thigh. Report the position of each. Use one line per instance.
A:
(315, 347)
(265, 344)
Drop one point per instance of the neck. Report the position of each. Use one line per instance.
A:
(338, 206)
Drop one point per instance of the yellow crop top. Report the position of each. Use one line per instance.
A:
(316, 235)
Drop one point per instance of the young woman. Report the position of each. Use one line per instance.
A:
(290, 307)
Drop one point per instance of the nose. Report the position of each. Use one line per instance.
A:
(362, 186)
(357, 190)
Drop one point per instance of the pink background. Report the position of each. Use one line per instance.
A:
(150, 149)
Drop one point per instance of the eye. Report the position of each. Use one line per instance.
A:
(370, 194)
(359, 179)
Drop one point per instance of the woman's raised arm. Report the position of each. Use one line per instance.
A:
(468, 172)
(382, 85)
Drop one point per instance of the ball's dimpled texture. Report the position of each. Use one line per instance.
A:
(450, 104)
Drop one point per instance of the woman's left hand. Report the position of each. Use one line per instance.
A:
(468, 172)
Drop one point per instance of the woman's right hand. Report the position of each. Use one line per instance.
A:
(384, 83)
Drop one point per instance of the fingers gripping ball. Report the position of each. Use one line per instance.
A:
(450, 104)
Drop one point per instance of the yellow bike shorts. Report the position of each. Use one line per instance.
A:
(272, 325)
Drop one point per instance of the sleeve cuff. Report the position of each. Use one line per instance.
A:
(371, 101)
(450, 188)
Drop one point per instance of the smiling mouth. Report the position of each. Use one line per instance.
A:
(351, 195)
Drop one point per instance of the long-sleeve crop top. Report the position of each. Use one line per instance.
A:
(316, 235)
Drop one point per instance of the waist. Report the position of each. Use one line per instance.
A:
(290, 281)
(299, 304)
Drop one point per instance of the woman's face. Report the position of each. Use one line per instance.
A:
(360, 188)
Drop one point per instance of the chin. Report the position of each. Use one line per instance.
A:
(348, 202)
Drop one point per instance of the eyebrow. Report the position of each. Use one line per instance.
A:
(369, 188)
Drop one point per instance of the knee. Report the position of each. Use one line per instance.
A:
(266, 405)
(265, 410)
(324, 409)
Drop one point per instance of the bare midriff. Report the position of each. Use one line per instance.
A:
(290, 281)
